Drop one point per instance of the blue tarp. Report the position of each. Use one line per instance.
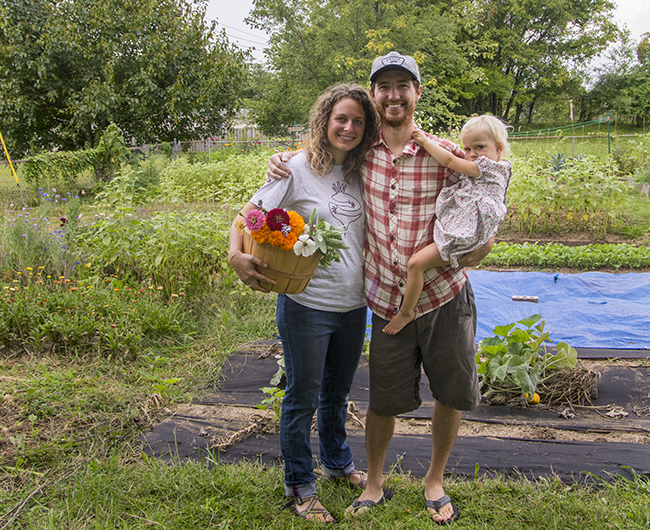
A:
(586, 310)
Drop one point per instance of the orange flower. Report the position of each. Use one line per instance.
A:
(297, 223)
(276, 238)
(262, 235)
(289, 241)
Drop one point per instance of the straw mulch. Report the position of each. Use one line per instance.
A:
(565, 387)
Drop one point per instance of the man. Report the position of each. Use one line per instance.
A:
(401, 184)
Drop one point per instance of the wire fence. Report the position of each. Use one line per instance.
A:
(13, 195)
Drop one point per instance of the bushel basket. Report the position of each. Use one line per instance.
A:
(292, 273)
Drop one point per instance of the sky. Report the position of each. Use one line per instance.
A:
(230, 15)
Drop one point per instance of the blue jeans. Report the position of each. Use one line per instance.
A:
(321, 355)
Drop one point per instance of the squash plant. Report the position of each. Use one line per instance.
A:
(515, 360)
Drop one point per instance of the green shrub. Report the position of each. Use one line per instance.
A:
(67, 167)
(634, 155)
(553, 256)
(582, 193)
(41, 238)
(182, 251)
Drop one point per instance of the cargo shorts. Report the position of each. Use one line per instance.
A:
(443, 343)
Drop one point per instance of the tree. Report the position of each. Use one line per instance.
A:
(643, 49)
(534, 48)
(622, 86)
(155, 68)
(315, 44)
(498, 56)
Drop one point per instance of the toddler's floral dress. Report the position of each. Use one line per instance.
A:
(469, 212)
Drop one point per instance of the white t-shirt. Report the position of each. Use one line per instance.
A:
(339, 287)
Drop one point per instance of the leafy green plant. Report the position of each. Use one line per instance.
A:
(41, 238)
(131, 185)
(233, 179)
(273, 400)
(183, 251)
(154, 373)
(66, 167)
(515, 359)
(557, 162)
(68, 316)
(276, 380)
(585, 194)
(554, 255)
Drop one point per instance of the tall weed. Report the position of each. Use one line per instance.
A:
(182, 251)
(41, 237)
(232, 180)
(80, 317)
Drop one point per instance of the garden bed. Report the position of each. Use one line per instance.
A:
(228, 421)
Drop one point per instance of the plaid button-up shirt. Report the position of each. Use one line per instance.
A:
(400, 195)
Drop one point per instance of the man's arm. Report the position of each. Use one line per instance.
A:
(472, 259)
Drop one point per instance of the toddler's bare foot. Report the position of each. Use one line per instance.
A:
(397, 323)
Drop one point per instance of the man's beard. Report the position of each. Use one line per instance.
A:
(404, 119)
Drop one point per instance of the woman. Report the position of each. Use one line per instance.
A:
(322, 328)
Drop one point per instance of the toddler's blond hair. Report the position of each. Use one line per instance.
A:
(493, 127)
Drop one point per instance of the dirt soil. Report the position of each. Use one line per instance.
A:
(226, 425)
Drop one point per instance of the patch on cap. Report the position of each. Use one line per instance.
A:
(395, 61)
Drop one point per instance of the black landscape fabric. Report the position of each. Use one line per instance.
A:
(625, 388)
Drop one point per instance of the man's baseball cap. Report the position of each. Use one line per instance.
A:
(394, 61)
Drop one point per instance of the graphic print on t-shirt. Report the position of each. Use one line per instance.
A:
(344, 207)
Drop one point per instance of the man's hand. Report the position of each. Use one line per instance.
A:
(472, 259)
(277, 170)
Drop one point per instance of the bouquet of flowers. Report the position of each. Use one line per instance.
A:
(288, 230)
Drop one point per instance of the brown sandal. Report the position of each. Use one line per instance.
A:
(311, 512)
(363, 478)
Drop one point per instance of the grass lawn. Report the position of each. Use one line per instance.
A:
(71, 456)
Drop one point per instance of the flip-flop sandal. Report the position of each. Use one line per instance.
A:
(345, 479)
(357, 505)
(310, 510)
(436, 505)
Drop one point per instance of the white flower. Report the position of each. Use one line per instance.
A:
(305, 246)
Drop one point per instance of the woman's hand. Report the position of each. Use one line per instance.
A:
(245, 267)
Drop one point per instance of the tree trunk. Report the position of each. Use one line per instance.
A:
(88, 135)
(518, 109)
(530, 110)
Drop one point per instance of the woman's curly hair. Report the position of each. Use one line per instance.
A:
(318, 146)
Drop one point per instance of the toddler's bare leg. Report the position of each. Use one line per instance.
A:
(420, 262)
